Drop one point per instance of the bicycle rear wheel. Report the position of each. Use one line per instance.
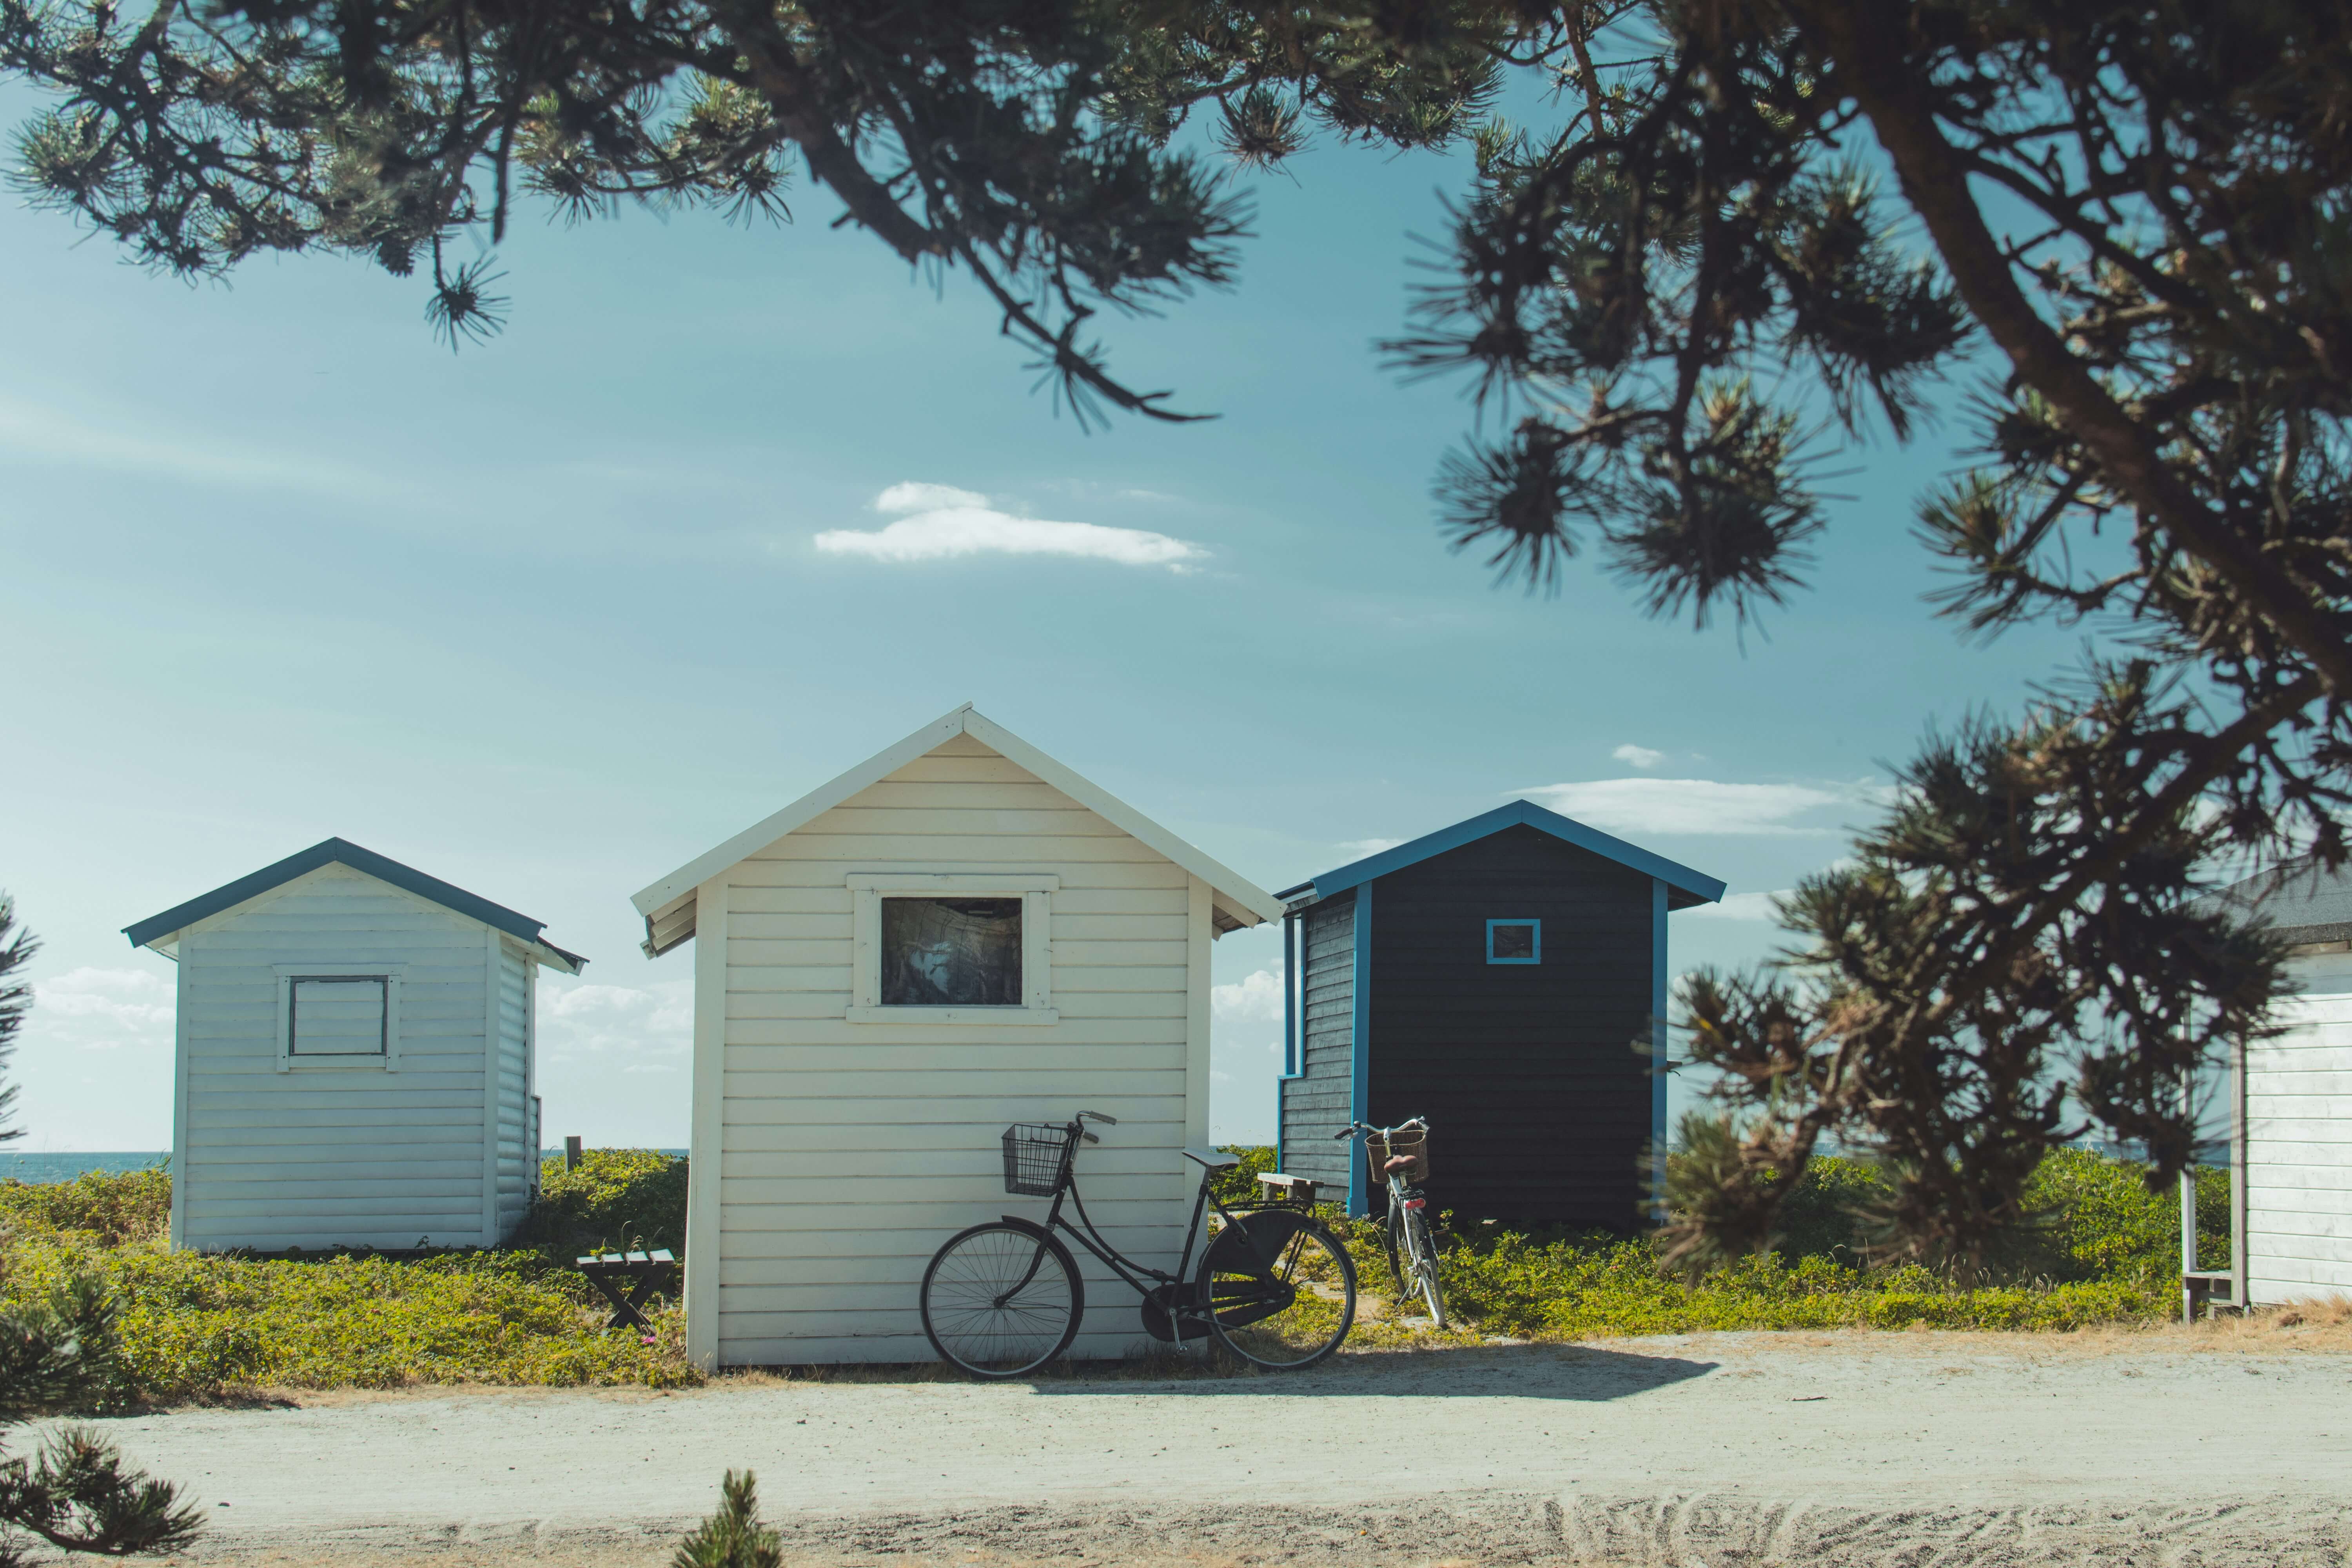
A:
(1001, 1300)
(1279, 1290)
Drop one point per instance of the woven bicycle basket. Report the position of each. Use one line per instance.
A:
(1035, 1157)
(1413, 1142)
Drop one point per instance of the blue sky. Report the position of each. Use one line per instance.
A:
(549, 617)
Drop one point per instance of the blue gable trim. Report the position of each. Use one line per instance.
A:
(342, 851)
(1706, 890)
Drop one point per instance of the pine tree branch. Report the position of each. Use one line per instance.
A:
(801, 114)
(1865, 40)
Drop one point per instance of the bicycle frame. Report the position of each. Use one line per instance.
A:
(1087, 1236)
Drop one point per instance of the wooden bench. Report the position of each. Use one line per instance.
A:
(1282, 1189)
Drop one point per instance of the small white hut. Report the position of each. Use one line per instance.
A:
(2292, 1148)
(353, 1060)
(850, 1085)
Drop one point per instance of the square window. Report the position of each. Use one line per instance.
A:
(951, 948)
(952, 952)
(337, 1016)
(1515, 942)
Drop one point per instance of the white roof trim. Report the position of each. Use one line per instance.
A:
(1231, 888)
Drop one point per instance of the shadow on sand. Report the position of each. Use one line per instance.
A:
(1526, 1372)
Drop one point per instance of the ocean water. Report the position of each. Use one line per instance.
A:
(27, 1167)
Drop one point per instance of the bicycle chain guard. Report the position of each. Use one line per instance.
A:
(1161, 1321)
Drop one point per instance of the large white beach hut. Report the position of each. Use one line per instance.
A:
(954, 935)
(354, 1061)
(2292, 1150)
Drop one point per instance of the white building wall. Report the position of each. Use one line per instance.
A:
(2299, 1141)
(847, 1152)
(323, 1156)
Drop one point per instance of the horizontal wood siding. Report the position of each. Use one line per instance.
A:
(2299, 1142)
(850, 1152)
(1539, 1104)
(329, 1156)
(517, 1158)
(1315, 1104)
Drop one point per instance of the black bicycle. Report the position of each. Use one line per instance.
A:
(1275, 1287)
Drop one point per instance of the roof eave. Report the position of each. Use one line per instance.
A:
(1700, 887)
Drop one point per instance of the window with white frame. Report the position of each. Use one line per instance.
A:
(951, 949)
(338, 1016)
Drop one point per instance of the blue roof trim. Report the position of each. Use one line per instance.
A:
(1706, 890)
(342, 851)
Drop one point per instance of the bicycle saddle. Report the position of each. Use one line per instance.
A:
(1397, 1163)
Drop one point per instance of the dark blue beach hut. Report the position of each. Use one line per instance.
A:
(1501, 977)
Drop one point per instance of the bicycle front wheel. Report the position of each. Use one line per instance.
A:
(1423, 1251)
(1000, 1300)
(1279, 1290)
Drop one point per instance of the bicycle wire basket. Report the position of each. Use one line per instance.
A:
(1035, 1156)
(1411, 1142)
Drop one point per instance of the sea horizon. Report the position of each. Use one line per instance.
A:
(64, 1164)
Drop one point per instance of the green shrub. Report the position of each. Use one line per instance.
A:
(2103, 1248)
(1237, 1185)
(1578, 1287)
(2103, 1223)
(114, 1206)
(2094, 1218)
(635, 1197)
(183, 1324)
(1818, 1219)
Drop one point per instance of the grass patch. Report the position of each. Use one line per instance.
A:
(2101, 1249)
(191, 1325)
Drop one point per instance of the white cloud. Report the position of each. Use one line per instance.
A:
(577, 1021)
(1359, 847)
(916, 496)
(1741, 907)
(943, 523)
(1638, 756)
(89, 1009)
(1254, 997)
(1697, 805)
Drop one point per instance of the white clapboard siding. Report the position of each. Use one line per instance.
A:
(2299, 1141)
(848, 1151)
(426, 1147)
(517, 1160)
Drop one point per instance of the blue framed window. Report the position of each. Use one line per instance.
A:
(1515, 942)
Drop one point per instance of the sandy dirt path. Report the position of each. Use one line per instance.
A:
(1715, 1450)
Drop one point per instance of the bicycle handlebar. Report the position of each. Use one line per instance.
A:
(1353, 1128)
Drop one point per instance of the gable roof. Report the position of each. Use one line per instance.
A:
(667, 905)
(2300, 902)
(1695, 886)
(157, 931)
